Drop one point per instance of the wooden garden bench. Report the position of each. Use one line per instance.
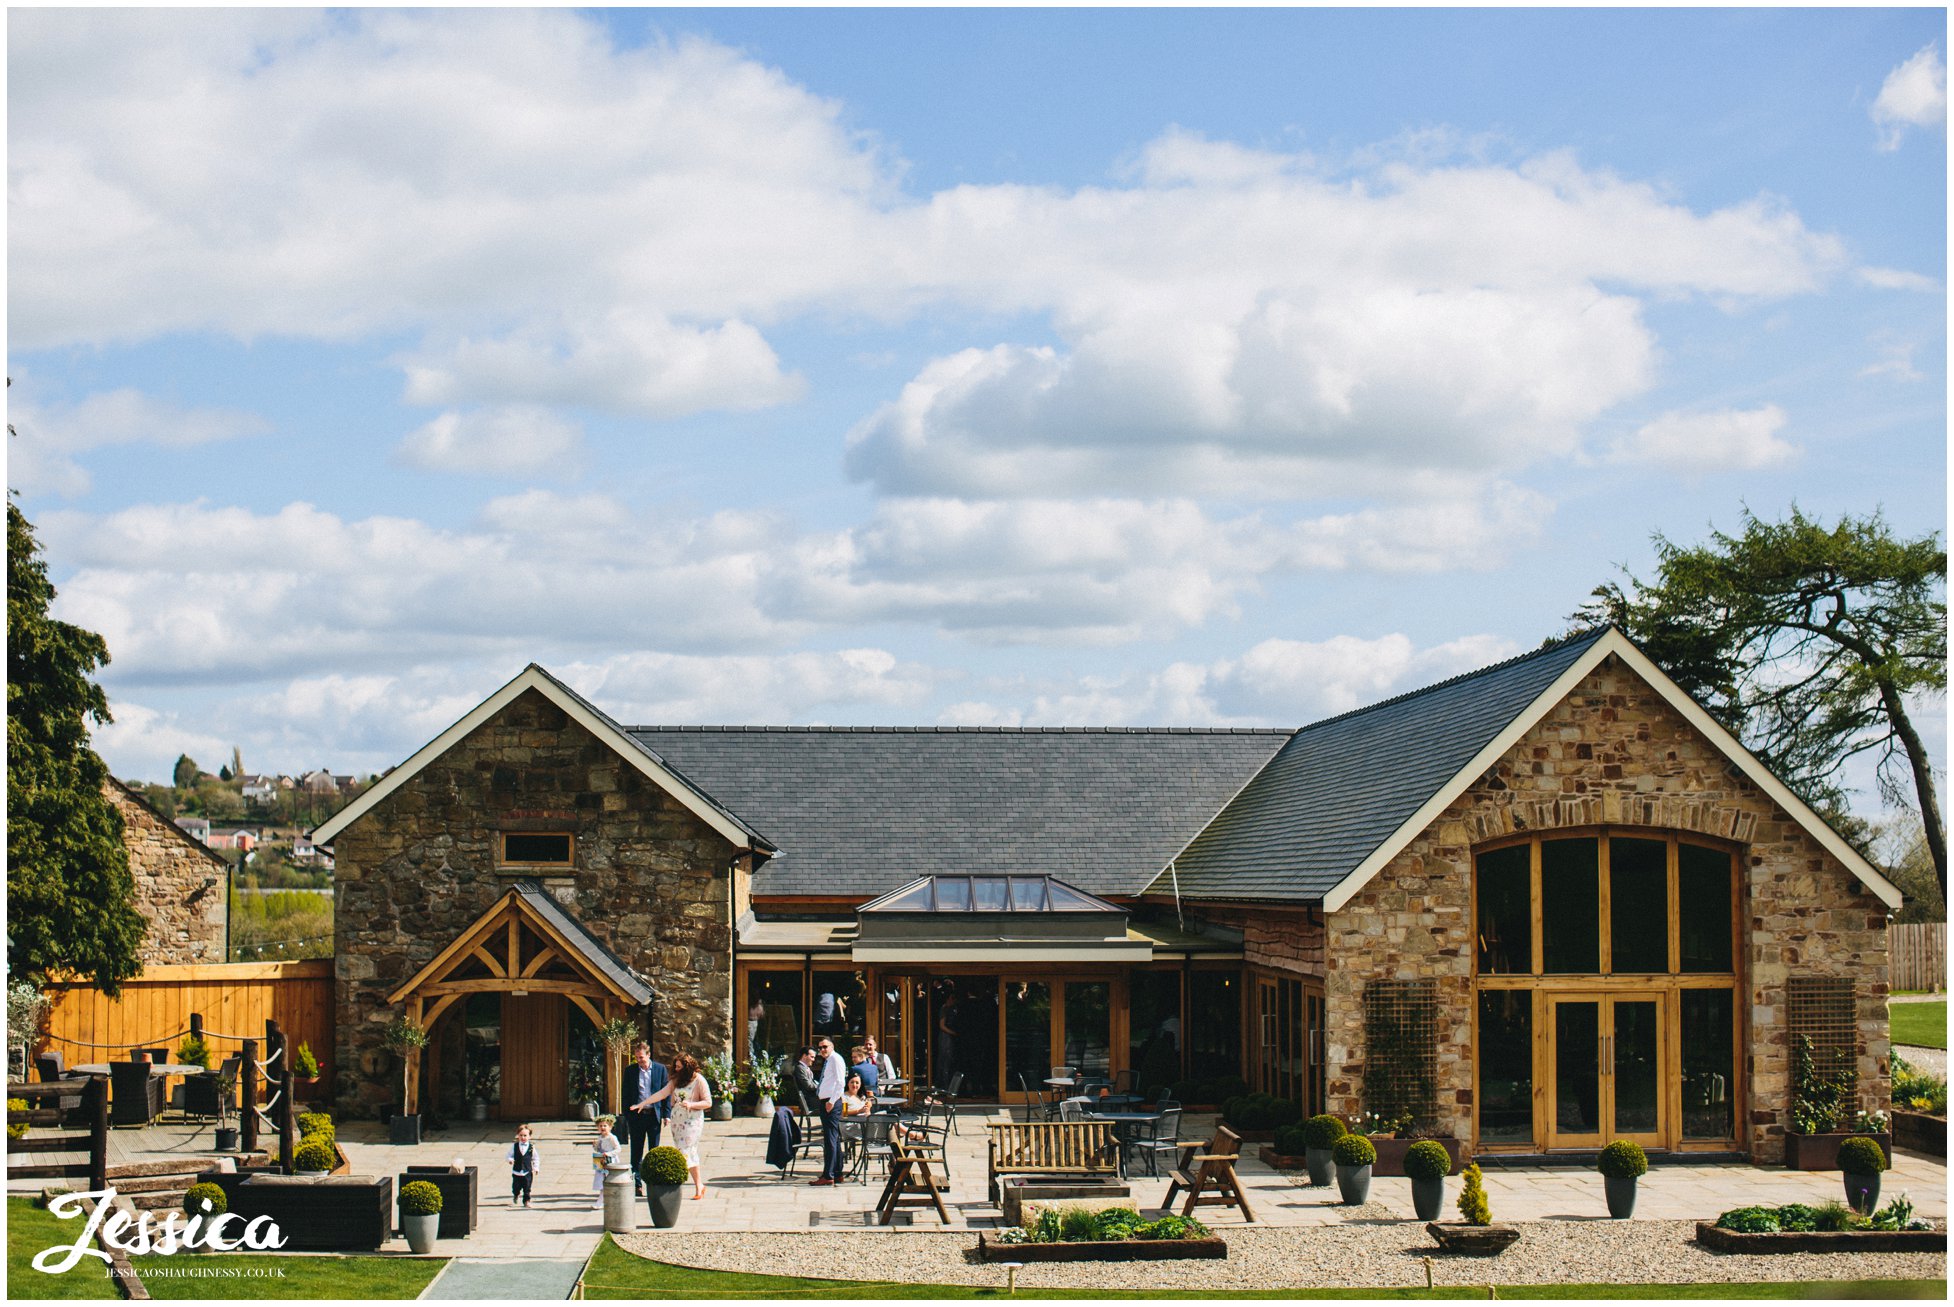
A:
(1213, 1168)
(1084, 1150)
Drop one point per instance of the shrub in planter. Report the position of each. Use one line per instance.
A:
(1621, 1164)
(1796, 1218)
(664, 1172)
(1427, 1164)
(420, 1214)
(1291, 1140)
(17, 1130)
(205, 1200)
(1320, 1135)
(1260, 1111)
(193, 1051)
(1354, 1156)
(1172, 1227)
(1834, 1216)
(1116, 1223)
(313, 1154)
(1750, 1220)
(304, 1065)
(317, 1125)
(1078, 1225)
(1862, 1160)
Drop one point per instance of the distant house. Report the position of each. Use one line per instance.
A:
(244, 840)
(259, 789)
(197, 828)
(179, 881)
(322, 782)
(307, 854)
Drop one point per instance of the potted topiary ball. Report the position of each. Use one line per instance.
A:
(664, 1172)
(1427, 1164)
(1862, 1160)
(1354, 1157)
(420, 1214)
(205, 1202)
(313, 1156)
(1320, 1135)
(1621, 1164)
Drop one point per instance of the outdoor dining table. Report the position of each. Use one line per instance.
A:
(155, 1068)
(1124, 1119)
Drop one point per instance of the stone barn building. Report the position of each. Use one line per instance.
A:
(180, 884)
(1540, 907)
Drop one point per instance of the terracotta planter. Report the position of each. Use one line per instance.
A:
(1390, 1154)
(1821, 1152)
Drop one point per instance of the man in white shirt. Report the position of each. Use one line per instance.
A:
(828, 1087)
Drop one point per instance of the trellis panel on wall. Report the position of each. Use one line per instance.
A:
(1401, 1047)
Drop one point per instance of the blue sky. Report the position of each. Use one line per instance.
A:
(1017, 367)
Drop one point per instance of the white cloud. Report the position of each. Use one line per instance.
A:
(1913, 95)
(629, 362)
(1691, 444)
(1896, 361)
(558, 219)
(1276, 683)
(1898, 279)
(143, 743)
(519, 440)
(40, 457)
(751, 688)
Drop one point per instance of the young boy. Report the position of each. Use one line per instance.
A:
(602, 1153)
(522, 1167)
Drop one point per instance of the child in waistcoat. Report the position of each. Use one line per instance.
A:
(522, 1166)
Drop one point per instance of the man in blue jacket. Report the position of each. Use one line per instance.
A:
(647, 1102)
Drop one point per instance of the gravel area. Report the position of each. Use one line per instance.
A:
(1931, 1060)
(1389, 1253)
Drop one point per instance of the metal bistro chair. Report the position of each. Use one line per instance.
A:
(1150, 1139)
(873, 1144)
(137, 1096)
(929, 1135)
(946, 1098)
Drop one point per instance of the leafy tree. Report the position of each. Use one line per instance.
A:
(1807, 641)
(224, 773)
(69, 891)
(185, 774)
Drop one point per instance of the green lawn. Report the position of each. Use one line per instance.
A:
(614, 1273)
(1923, 1025)
(223, 1275)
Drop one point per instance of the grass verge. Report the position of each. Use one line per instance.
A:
(203, 1275)
(616, 1274)
(1923, 1025)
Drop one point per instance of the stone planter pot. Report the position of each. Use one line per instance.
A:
(1354, 1183)
(404, 1129)
(763, 1108)
(1390, 1153)
(1321, 1165)
(1472, 1240)
(1428, 1198)
(1821, 1152)
(1621, 1195)
(722, 1109)
(1862, 1192)
(666, 1201)
(421, 1231)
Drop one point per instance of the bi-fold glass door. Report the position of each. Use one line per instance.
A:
(1605, 1070)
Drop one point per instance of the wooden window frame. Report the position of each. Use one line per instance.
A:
(504, 862)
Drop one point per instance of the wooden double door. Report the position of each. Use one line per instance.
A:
(1607, 1073)
(535, 1057)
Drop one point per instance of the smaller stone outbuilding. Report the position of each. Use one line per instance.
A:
(179, 884)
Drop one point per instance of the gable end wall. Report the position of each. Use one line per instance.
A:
(651, 881)
(1613, 753)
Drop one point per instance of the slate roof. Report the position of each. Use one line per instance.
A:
(1339, 788)
(593, 950)
(860, 811)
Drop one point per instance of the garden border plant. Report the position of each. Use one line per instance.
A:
(1065, 1234)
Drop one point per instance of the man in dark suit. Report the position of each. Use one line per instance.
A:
(647, 1102)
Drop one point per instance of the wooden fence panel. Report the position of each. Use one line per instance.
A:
(154, 1009)
(1917, 956)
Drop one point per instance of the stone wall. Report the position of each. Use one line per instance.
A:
(179, 884)
(651, 880)
(1613, 753)
(1276, 938)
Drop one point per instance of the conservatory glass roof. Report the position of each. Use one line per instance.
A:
(1037, 893)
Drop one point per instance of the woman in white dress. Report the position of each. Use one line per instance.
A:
(691, 1100)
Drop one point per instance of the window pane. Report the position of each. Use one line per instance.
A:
(1638, 905)
(1638, 1058)
(1027, 1036)
(773, 1011)
(1703, 893)
(1215, 1013)
(1505, 1067)
(1089, 1028)
(952, 894)
(840, 1008)
(1577, 1067)
(1154, 1029)
(1708, 1036)
(987, 893)
(1570, 906)
(535, 848)
(1505, 912)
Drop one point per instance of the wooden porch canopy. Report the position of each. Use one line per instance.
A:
(526, 943)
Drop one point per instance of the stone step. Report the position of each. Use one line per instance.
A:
(150, 1184)
(162, 1200)
(193, 1164)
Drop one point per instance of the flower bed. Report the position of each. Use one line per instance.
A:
(1821, 1241)
(1100, 1250)
(1112, 1234)
(1281, 1161)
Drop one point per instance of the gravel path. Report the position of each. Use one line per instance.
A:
(1385, 1254)
(1931, 1060)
